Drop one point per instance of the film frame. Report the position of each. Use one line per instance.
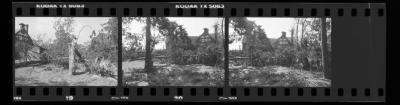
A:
(358, 17)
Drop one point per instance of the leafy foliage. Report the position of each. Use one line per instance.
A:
(104, 44)
(102, 50)
(63, 27)
(180, 49)
(211, 56)
(305, 53)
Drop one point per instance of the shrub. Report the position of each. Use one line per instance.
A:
(104, 68)
(61, 62)
(285, 56)
(210, 56)
(261, 58)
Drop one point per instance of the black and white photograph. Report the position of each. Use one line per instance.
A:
(172, 51)
(65, 51)
(280, 52)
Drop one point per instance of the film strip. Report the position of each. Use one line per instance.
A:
(358, 52)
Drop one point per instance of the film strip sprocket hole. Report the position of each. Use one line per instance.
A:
(137, 93)
(240, 75)
(287, 12)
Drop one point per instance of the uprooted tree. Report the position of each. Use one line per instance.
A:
(102, 50)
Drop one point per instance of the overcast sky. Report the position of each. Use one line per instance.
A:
(44, 26)
(193, 25)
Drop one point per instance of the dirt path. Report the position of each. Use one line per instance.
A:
(50, 75)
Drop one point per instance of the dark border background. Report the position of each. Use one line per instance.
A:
(358, 42)
(389, 37)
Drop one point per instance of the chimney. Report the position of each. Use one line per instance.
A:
(291, 35)
(205, 30)
(284, 34)
(27, 27)
(216, 32)
(22, 26)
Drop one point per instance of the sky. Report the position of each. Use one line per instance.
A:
(193, 25)
(44, 26)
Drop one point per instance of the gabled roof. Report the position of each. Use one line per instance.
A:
(27, 39)
(194, 38)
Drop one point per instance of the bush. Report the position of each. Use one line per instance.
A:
(61, 62)
(286, 56)
(210, 56)
(159, 53)
(261, 58)
(104, 68)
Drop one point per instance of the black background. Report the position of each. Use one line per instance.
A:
(389, 37)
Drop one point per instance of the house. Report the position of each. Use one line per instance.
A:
(282, 41)
(25, 48)
(257, 40)
(206, 38)
(197, 44)
(194, 42)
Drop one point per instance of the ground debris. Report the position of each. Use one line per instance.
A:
(137, 83)
(51, 75)
(176, 75)
(277, 76)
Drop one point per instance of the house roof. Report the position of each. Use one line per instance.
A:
(26, 38)
(213, 36)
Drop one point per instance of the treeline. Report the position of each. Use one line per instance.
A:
(307, 48)
(179, 47)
